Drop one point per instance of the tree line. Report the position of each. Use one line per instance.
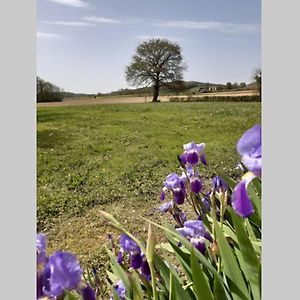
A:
(47, 92)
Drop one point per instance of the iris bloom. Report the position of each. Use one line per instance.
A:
(129, 246)
(195, 231)
(193, 153)
(61, 272)
(120, 289)
(41, 245)
(240, 200)
(196, 184)
(175, 183)
(249, 146)
(218, 184)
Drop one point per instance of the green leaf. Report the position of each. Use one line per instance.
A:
(231, 268)
(257, 185)
(136, 286)
(184, 259)
(201, 286)
(219, 291)
(165, 246)
(172, 294)
(255, 200)
(248, 259)
(113, 277)
(70, 296)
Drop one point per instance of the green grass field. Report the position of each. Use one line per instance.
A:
(115, 157)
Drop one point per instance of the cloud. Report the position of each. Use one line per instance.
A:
(212, 25)
(74, 3)
(102, 20)
(52, 36)
(70, 23)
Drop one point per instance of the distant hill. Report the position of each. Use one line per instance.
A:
(184, 87)
(181, 88)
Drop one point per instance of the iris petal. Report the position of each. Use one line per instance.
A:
(241, 202)
(250, 141)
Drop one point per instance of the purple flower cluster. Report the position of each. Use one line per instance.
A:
(58, 273)
(218, 197)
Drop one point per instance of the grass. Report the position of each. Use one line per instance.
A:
(115, 157)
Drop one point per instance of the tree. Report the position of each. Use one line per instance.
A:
(47, 92)
(257, 76)
(156, 62)
(228, 85)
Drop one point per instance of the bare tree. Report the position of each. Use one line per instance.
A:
(156, 62)
(257, 76)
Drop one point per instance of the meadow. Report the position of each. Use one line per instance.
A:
(115, 157)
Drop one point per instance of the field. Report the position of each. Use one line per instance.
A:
(115, 157)
(134, 99)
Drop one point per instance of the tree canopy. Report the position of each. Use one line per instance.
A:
(156, 62)
(47, 92)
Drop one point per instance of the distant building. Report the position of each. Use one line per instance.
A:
(206, 89)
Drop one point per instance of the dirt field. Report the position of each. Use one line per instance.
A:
(128, 99)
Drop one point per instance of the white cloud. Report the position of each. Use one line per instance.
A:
(74, 3)
(102, 20)
(212, 25)
(53, 36)
(71, 23)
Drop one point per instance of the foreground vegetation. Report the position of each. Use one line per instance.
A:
(114, 157)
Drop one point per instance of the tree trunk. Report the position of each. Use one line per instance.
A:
(155, 93)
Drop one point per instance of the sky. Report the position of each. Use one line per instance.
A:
(83, 46)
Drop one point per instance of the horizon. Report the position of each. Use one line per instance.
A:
(83, 46)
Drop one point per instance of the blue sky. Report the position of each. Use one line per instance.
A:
(84, 45)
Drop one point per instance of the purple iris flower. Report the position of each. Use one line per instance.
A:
(218, 184)
(120, 257)
(135, 260)
(249, 147)
(128, 245)
(166, 206)
(41, 245)
(174, 180)
(162, 196)
(196, 184)
(195, 231)
(131, 247)
(175, 183)
(240, 200)
(193, 153)
(206, 203)
(192, 157)
(61, 272)
(145, 269)
(120, 289)
(179, 195)
(88, 293)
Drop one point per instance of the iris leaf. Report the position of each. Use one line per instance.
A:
(201, 286)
